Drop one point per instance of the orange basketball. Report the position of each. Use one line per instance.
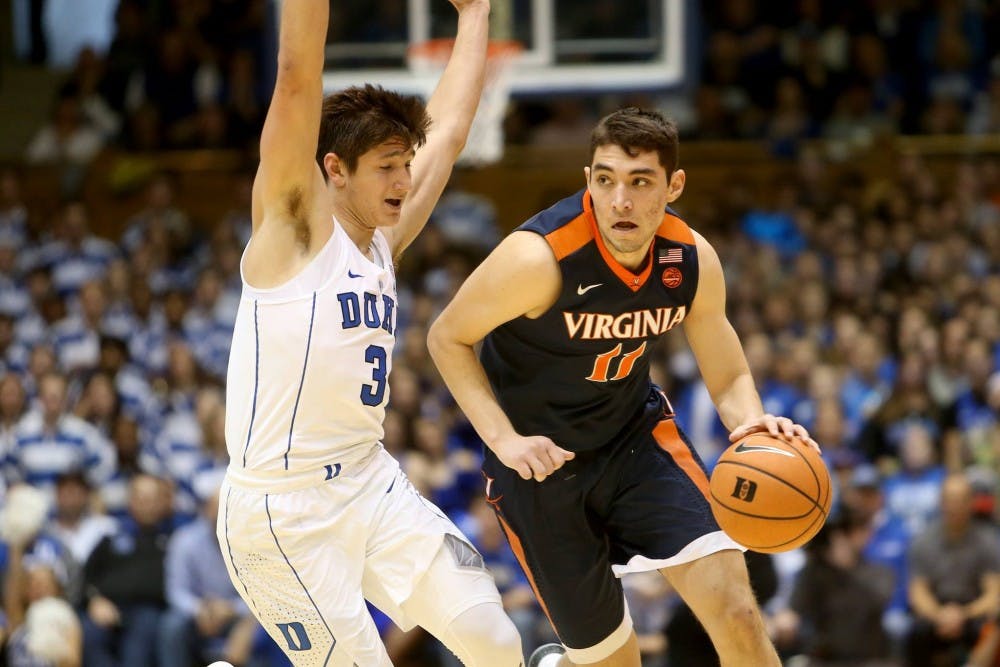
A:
(770, 494)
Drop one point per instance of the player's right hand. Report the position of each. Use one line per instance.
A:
(533, 456)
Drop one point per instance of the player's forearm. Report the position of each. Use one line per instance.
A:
(721, 361)
(739, 402)
(468, 383)
(453, 104)
(302, 40)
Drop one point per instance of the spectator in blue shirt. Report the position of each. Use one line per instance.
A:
(206, 620)
(208, 327)
(74, 256)
(888, 543)
(77, 336)
(132, 386)
(190, 446)
(73, 523)
(914, 493)
(14, 298)
(867, 383)
(48, 442)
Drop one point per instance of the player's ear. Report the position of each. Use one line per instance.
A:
(335, 169)
(676, 185)
(586, 175)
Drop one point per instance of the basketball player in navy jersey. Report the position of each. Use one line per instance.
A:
(315, 516)
(589, 474)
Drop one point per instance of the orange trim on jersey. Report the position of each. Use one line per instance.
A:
(632, 280)
(570, 237)
(669, 439)
(674, 229)
(515, 546)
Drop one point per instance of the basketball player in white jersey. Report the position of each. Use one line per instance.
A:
(316, 516)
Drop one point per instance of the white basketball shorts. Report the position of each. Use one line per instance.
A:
(305, 559)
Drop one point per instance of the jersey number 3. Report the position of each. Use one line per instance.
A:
(602, 364)
(372, 394)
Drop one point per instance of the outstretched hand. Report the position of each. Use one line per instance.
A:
(532, 456)
(776, 426)
(462, 4)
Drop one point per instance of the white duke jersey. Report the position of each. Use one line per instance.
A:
(308, 370)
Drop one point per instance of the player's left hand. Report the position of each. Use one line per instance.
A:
(776, 426)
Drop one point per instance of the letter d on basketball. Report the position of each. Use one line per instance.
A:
(300, 642)
(745, 489)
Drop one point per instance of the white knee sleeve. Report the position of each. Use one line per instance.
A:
(457, 602)
(483, 636)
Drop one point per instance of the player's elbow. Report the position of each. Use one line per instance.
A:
(443, 340)
(437, 340)
(457, 140)
(452, 136)
(294, 74)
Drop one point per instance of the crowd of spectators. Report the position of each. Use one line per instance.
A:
(806, 68)
(193, 73)
(869, 309)
(801, 69)
(185, 74)
(794, 70)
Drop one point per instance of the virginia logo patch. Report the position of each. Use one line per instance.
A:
(672, 277)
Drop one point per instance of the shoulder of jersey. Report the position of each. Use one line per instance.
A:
(674, 228)
(562, 212)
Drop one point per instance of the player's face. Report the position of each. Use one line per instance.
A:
(629, 195)
(381, 182)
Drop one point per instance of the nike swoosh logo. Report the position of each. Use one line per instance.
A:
(354, 275)
(743, 447)
(581, 290)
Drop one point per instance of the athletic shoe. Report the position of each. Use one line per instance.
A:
(546, 655)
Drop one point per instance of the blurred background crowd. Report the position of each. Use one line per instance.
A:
(868, 303)
(161, 74)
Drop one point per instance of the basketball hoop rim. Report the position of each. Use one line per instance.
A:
(427, 60)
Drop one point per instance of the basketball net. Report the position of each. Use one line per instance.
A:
(485, 143)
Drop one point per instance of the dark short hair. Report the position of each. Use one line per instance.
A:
(73, 476)
(113, 340)
(359, 118)
(635, 130)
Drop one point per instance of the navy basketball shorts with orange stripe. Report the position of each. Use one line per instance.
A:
(634, 505)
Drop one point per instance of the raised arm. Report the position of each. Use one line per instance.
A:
(288, 177)
(452, 108)
(520, 277)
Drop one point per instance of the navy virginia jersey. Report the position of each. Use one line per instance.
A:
(579, 373)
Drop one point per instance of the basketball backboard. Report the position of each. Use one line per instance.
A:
(569, 45)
